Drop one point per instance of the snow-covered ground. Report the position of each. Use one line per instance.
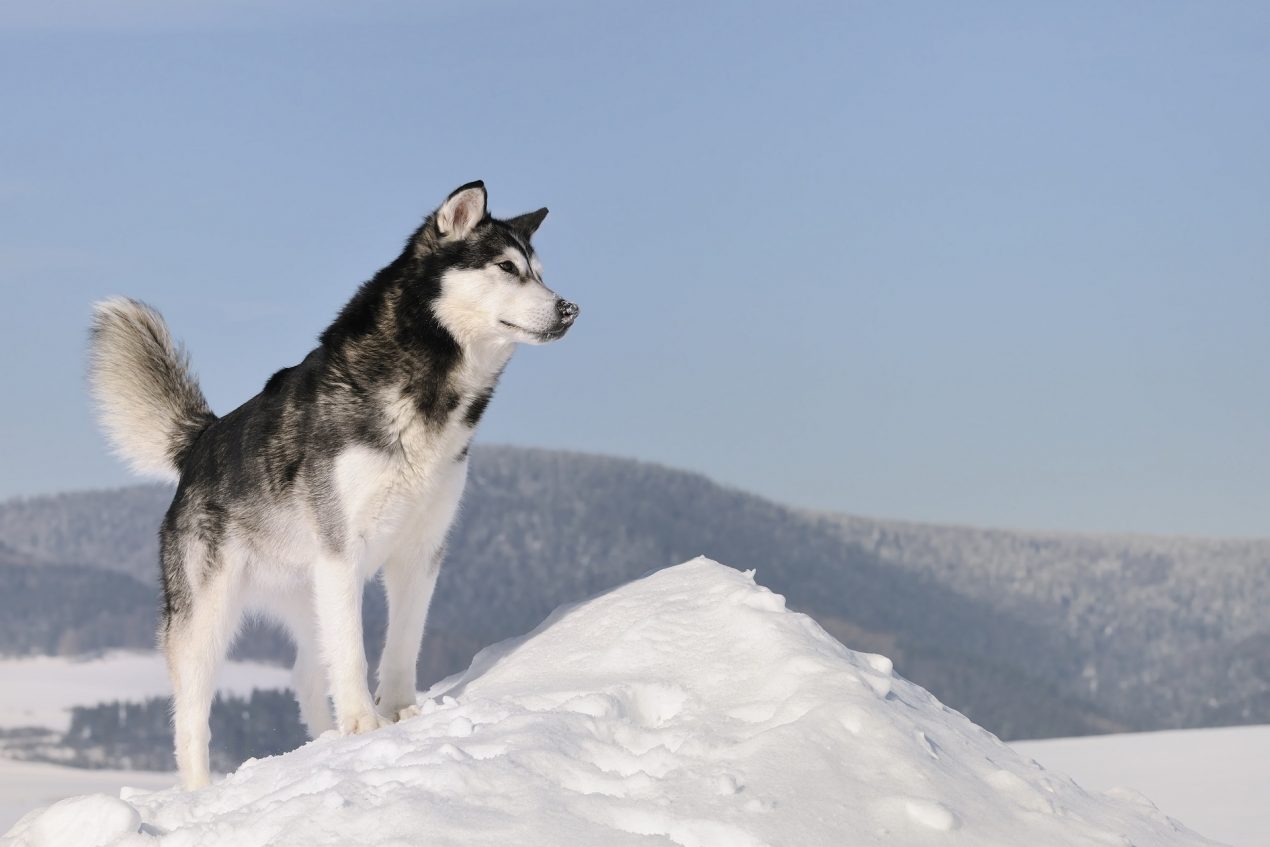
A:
(689, 707)
(40, 691)
(1217, 780)
(28, 785)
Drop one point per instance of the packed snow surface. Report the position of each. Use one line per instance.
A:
(689, 708)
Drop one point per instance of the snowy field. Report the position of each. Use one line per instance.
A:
(1216, 780)
(686, 708)
(40, 691)
(28, 785)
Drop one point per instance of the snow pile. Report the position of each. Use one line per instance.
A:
(686, 708)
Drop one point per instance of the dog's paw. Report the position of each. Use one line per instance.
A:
(396, 714)
(364, 721)
(397, 704)
(411, 711)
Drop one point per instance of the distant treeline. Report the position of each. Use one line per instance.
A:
(138, 736)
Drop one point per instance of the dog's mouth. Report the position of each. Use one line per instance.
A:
(540, 335)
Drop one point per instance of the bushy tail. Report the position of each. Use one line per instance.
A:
(148, 401)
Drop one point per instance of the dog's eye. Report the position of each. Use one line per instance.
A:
(509, 267)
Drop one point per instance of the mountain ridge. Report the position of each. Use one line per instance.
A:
(540, 528)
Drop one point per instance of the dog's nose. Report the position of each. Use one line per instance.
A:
(568, 311)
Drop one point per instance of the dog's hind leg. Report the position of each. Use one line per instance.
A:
(308, 678)
(195, 638)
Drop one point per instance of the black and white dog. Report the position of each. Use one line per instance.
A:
(351, 461)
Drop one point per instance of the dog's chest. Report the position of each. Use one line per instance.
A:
(385, 497)
(384, 493)
(425, 437)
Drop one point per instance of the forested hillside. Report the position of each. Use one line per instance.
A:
(1018, 630)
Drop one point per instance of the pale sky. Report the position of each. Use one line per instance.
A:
(1001, 264)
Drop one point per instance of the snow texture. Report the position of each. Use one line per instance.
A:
(687, 708)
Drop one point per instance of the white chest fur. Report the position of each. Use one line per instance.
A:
(389, 497)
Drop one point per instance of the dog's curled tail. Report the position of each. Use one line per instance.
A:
(148, 401)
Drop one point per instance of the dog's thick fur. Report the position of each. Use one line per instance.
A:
(351, 461)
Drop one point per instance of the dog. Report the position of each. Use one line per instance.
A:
(351, 463)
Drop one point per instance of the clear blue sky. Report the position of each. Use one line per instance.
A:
(994, 263)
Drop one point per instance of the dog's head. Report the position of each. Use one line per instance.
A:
(491, 284)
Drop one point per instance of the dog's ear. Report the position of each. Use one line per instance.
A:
(528, 223)
(462, 211)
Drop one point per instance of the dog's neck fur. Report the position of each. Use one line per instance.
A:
(440, 373)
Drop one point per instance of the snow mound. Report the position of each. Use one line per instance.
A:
(689, 708)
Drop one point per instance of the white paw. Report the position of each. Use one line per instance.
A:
(364, 721)
(397, 704)
(411, 711)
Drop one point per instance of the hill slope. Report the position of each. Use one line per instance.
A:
(688, 705)
(1140, 610)
(1029, 634)
(542, 528)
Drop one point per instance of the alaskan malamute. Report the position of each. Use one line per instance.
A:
(351, 461)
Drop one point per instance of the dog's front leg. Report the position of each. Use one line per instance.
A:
(410, 577)
(409, 584)
(337, 595)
